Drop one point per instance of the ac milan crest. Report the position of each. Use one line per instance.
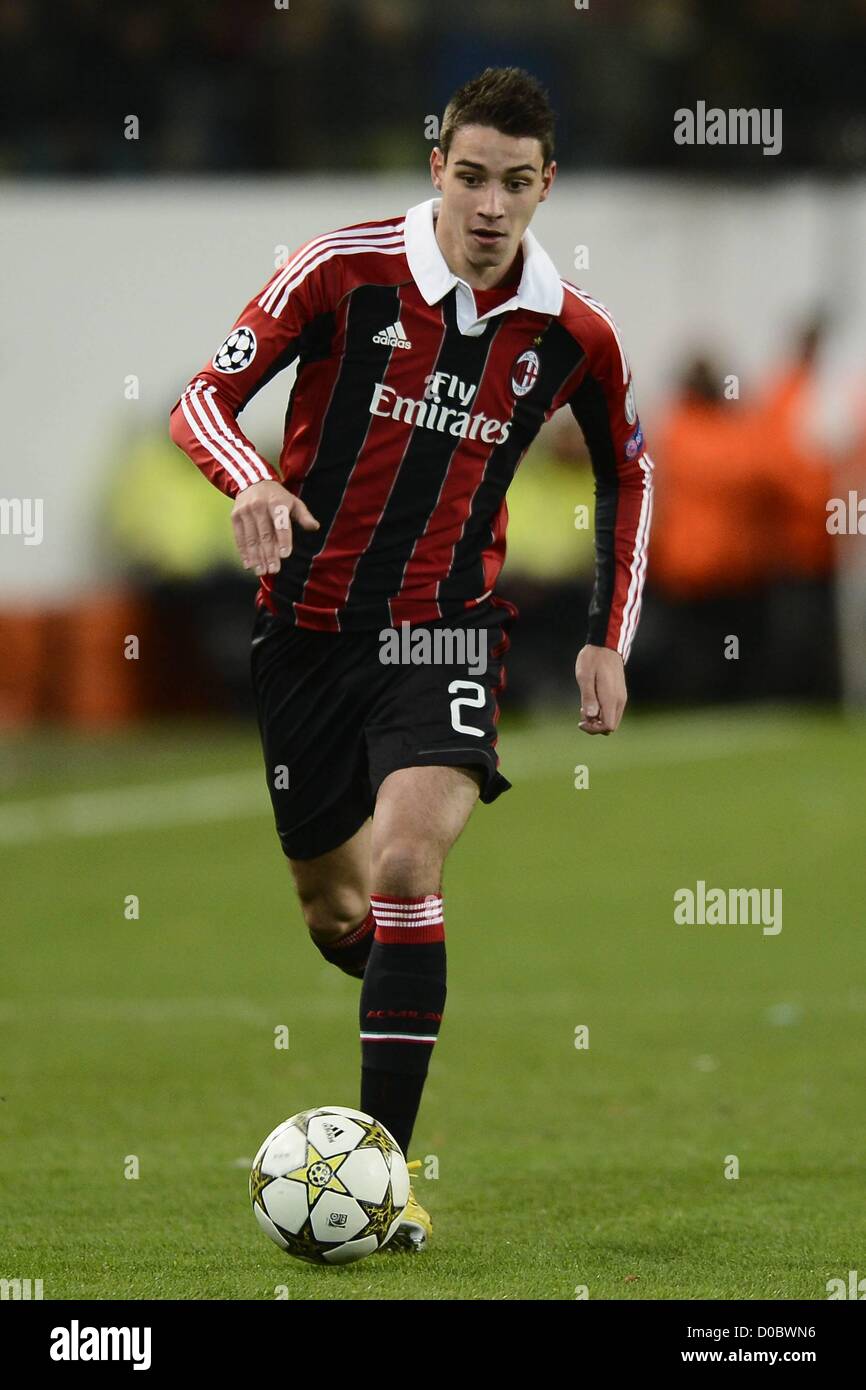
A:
(524, 373)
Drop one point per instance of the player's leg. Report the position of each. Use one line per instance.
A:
(311, 702)
(334, 888)
(420, 812)
(334, 893)
(432, 744)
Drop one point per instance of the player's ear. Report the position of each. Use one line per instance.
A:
(437, 165)
(548, 174)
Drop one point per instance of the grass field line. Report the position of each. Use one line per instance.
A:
(112, 810)
(525, 754)
(107, 1010)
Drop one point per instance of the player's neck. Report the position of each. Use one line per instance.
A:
(478, 278)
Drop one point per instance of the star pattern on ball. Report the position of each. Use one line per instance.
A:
(303, 1244)
(312, 1180)
(380, 1215)
(301, 1121)
(258, 1182)
(377, 1137)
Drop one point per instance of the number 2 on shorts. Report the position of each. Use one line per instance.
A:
(475, 701)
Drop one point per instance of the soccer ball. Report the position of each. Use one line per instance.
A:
(329, 1185)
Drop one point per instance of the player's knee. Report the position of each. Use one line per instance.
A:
(330, 915)
(406, 868)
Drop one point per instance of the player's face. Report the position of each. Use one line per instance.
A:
(491, 185)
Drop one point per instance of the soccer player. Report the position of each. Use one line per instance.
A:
(431, 347)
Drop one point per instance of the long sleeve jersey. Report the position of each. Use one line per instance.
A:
(408, 417)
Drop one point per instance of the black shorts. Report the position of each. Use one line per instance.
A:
(335, 718)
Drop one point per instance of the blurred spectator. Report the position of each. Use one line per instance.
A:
(740, 547)
(713, 546)
(801, 648)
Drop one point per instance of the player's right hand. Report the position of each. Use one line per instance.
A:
(262, 521)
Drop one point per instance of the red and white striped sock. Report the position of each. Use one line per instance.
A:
(352, 951)
(402, 1001)
(408, 920)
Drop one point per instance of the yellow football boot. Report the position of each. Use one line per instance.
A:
(415, 1227)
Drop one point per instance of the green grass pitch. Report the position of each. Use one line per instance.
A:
(559, 1168)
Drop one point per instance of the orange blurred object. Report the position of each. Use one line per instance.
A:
(802, 473)
(713, 530)
(75, 664)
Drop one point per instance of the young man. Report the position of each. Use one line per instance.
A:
(432, 346)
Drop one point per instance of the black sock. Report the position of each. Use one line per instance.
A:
(351, 952)
(402, 1000)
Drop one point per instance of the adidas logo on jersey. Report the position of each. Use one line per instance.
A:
(392, 336)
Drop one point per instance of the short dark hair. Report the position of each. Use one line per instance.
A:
(508, 99)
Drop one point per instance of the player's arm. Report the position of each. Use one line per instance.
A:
(264, 339)
(603, 405)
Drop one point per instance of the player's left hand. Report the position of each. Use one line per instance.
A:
(601, 677)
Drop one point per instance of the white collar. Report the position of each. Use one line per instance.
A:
(540, 287)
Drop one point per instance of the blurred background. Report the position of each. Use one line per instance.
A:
(157, 159)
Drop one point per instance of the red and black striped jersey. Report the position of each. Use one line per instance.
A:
(412, 408)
